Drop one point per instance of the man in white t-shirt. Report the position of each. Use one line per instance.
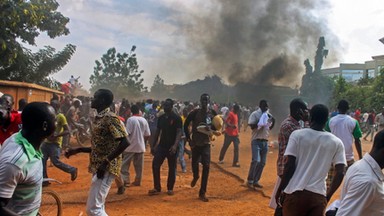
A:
(138, 133)
(309, 155)
(347, 129)
(363, 189)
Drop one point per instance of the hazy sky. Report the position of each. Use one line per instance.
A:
(160, 30)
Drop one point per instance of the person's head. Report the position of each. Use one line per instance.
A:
(38, 120)
(55, 96)
(185, 112)
(263, 105)
(4, 112)
(76, 103)
(236, 108)
(343, 106)
(135, 109)
(9, 100)
(377, 151)
(168, 105)
(204, 100)
(319, 115)
(102, 99)
(56, 105)
(298, 109)
(22, 103)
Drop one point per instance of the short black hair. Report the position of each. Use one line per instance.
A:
(343, 106)
(205, 95)
(8, 95)
(135, 109)
(378, 141)
(169, 100)
(262, 102)
(34, 114)
(296, 104)
(107, 95)
(236, 107)
(319, 114)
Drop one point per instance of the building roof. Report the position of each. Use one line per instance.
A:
(28, 85)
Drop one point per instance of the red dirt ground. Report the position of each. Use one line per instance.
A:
(226, 191)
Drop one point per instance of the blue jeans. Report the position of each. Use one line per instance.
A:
(181, 155)
(52, 151)
(259, 158)
(227, 141)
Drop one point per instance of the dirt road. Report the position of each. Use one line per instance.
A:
(226, 191)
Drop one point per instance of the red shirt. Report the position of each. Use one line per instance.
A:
(232, 120)
(13, 127)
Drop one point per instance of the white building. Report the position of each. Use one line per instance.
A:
(354, 72)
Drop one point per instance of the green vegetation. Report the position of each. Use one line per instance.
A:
(120, 73)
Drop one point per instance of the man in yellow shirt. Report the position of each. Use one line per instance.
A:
(51, 148)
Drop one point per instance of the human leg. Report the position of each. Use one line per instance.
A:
(180, 155)
(158, 160)
(138, 163)
(236, 143)
(195, 163)
(46, 154)
(55, 159)
(126, 163)
(255, 158)
(224, 148)
(172, 162)
(263, 146)
(98, 193)
(205, 160)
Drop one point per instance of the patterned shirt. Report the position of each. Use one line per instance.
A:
(107, 132)
(287, 127)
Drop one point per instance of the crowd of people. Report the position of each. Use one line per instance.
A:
(315, 150)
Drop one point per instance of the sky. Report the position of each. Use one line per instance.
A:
(174, 40)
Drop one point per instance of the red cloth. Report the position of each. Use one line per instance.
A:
(233, 120)
(66, 88)
(14, 127)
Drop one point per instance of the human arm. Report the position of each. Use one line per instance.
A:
(289, 170)
(9, 175)
(187, 122)
(73, 151)
(357, 134)
(155, 141)
(338, 178)
(272, 120)
(252, 120)
(177, 140)
(3, 209)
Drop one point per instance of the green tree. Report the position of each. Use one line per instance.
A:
(118, 72)
(37, 67)
(158, 89)
(22, 21)
(377, 94)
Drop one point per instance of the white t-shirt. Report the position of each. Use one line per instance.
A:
(345, 127)
(363, 189)
(315, 151)
(137, 127)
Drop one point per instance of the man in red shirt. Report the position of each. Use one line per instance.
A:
(10, 121)
(231, 135)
